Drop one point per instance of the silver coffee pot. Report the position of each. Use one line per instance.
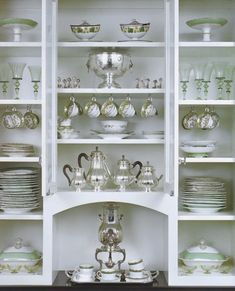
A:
(124, 176)
(78, 180)
(98, 173)
(148, 179)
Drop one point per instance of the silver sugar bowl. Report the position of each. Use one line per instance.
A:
(98, 173)
(109, 66)
(123, 176)
(148, 179)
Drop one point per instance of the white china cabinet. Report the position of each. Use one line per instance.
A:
(155, 227)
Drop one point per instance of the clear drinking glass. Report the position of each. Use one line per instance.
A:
(35, 73)
(207, 78)
(4, 77)
(228, 78)
(219, 76)
(198, 75)
(17, 75)
(185, 70)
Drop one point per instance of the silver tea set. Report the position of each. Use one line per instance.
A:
(98, 174)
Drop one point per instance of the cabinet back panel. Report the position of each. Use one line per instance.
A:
(77, 236)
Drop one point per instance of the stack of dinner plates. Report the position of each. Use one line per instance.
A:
(203, 194)
(19, 189)
(17, 150)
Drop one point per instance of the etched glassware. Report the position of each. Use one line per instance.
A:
(207, 78)
(35, 73)
(228, 79)
(198, 70)
(4, 77)
(219, 76)
(17, 76)
(185, 70)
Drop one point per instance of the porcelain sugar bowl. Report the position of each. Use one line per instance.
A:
(135, 30)
(20, 258)
(85, 31)
(124, 176)
(202, 258)
(148, 179)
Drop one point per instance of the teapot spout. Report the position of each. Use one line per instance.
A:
(160, 178)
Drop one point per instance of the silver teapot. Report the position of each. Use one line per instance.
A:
(98, 173)
(124, 176)
(78, 180)
(148, 179)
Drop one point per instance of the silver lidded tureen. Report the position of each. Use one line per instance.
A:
(109, 65)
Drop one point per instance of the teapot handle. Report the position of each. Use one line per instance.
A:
(82, 155)
(65, 173)
(140, 167)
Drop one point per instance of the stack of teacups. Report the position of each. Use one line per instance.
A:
(136, 268)
(106, 275)
(84, 273)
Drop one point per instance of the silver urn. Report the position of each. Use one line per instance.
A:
(109, 66)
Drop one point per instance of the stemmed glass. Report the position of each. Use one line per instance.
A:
(35, 73)
(4, 77)
(228, 78)
(198, 74)
(17, 72)
(185, 70)
(207, 78)
(219, 76)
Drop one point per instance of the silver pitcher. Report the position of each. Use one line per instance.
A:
(78, 180)
(109, 66)
(148, 179)
(124, 176)
(98, 173)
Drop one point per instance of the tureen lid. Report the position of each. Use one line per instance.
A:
(85, 23)
(135, 22)
(19, 252)
(202, 251)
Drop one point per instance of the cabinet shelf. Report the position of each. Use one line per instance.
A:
(202, 44)
(225, 215)
(207, 102)
(20, 159)
(110, 91)
(137, 48)
(64, 199)
(20, 49)
(35, 215)
(20, 102)
(104, 141)
(207, 160)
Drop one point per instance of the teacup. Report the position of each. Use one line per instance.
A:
(138, 274)
(136, 265)
(106, 274)
(92, 108)
(85, 270)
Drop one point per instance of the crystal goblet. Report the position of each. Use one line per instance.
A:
(185, 70)
(4, 77)
(35, 73)
(198, 75)
(207, 78)
(228, 78)
(219, 76)
(17, 72)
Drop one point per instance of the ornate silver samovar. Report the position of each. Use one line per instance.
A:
(110, 235)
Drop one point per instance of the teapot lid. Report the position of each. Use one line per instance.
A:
(96, 152)
(123, 161)
(148, 166)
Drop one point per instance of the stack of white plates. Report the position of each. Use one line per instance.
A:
(203, 194)
(17, 149)
(199, 148)
(153, 134)
(19, 189)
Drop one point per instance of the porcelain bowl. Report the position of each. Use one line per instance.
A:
(135, 30)
(85, 31)
(114, 126)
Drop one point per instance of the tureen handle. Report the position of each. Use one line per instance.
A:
(18, 243)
